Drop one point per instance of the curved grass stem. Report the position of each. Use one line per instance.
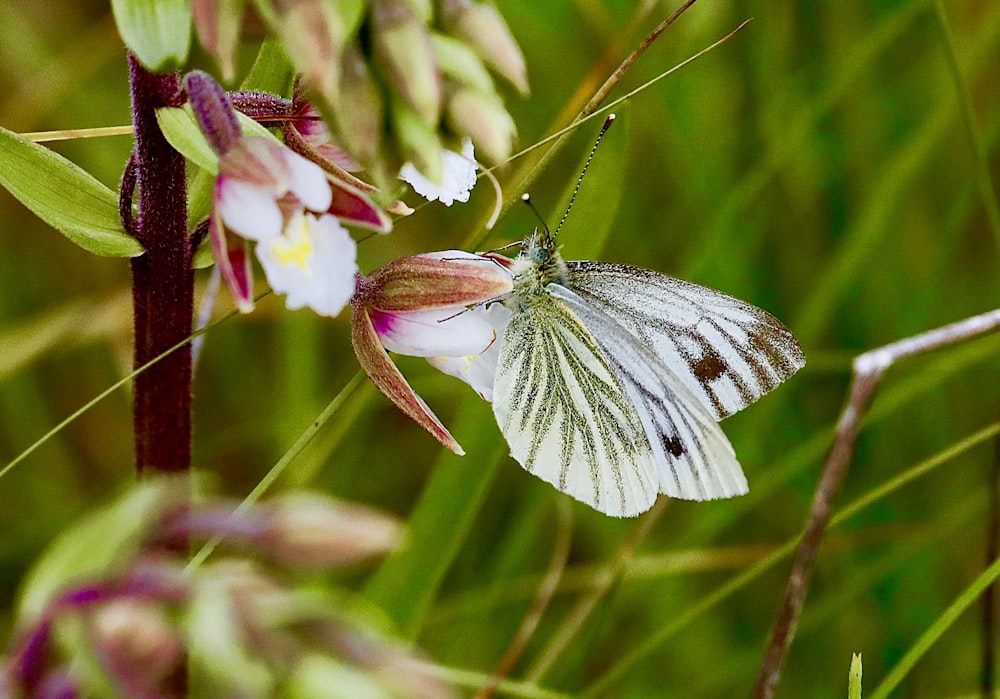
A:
(868, 370)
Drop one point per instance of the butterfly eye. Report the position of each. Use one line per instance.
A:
(539, 255)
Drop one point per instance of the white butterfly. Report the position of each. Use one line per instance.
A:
(611, 379)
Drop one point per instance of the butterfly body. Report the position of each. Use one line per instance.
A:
(611, 379)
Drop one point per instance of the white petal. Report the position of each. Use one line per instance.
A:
(308, 182)
(479, 370)
(247, 210)
(458, 177)
(443, 332)
(313, 262)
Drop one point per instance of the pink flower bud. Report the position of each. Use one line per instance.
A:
(312, 530)
(136, 642)
(403, 49)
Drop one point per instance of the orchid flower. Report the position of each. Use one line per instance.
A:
(427, 306)
(286, 204)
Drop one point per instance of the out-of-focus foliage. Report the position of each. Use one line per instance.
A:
(817, 165)
(115, 607)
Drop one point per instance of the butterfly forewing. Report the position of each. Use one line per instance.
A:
(694, 459)
(560, 406)
(727, 353)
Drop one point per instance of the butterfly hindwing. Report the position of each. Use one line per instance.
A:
(694, 459)
(565, 415)
(726, 352)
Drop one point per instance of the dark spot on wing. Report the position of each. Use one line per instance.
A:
(709, 368)
(673, 446)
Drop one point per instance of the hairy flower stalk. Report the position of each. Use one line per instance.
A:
(162, 282)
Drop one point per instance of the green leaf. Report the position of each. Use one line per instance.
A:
(158, 32)
(271, 72)
(407, 583)
(589, 224)
(181, 131)
(64, 196)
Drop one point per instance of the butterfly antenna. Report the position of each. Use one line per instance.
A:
(576, 190)
(526, 198)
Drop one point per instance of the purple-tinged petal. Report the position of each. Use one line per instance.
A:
(447, 332)
(248, 210)
(317, 154)
(213, 110)
(257, 161)
(355, 209)
(306, 530)
(58, 683)
(310, 125)
(233, 262)
(307, 182)
(388, 379)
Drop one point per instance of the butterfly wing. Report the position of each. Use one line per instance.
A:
(726, 352)
(694, 459)
(564, 414)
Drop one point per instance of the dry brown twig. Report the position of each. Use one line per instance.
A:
(868, 369)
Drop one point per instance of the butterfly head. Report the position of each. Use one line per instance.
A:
(538, 265)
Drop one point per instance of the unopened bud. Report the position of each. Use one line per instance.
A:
(483, 118)
(213, 111)
(438, 280)
(312, 530)
(313, 33)
(403, 50)
(461, 64)
(418, 142)
(138, 640)
(359, 108)
(482, 27)
(218, 25)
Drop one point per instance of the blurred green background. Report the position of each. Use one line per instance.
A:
(818, 165)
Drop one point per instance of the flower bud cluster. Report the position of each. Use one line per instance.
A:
(134, 621)
(400, 81)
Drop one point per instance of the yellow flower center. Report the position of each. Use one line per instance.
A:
(294, 246)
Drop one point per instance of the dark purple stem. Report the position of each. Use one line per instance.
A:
(162, 283)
